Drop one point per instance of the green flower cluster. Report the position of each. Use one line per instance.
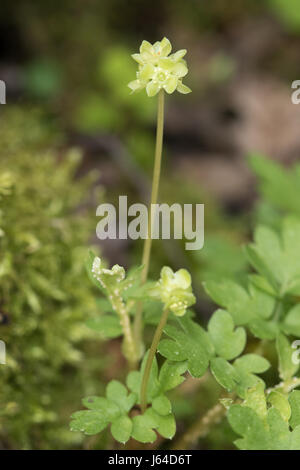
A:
(174, 290)
(159, 70)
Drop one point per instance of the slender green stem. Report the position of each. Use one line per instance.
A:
(138, 324)
(129, 346)
(150, 358)
(155, 182)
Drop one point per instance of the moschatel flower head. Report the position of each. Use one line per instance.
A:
(174, 290)
(159, 70)
(107, 276)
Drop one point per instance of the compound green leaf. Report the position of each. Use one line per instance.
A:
(170, 375)
(88, 421)
(171, 350)
(162, 405)
(108, 408)
(165, 425)
(121, 429)
(117, 393)
(280, 401)
(228, 343)
(291, 323)
(245, 422)
(255, 399)
(224, 373)
(295, 439)
(287, 367)
(192, 344)
(244, 306)
(252, 363)
(273, 255)
(142, 429)
(278, 431)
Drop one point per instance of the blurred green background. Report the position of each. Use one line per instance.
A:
(72, 137)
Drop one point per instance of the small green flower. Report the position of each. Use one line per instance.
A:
(174, 290)
(107, 276)
(159, 70)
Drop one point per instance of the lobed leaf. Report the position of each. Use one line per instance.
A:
(228, 343)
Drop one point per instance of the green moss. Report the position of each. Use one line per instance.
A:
(44, 293)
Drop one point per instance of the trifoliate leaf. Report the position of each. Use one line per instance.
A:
(295, 439)
(239, 376)
(245, 422)
(287, 368)
(271, 433)
(262, 284)
(263, 329)
(244, 306)
(280, 401)
(170, 375)
(229, 295)
(255, 399)
(228, 343)
(224, 373)
(279, 434)
(107, 325)
(278, 185)
(142, 429)
(108, 408)
(273, 255)
(117, 393)
(88, 421)
(165, 425)
(245, 366)
(291, 323)
(162, 405)
(194, 345)
(121, 429)
(171, 350)
(265, 253)
(252, 363)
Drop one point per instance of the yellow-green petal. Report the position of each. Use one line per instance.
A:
(183, 88)
(171, 84)
(166, 273)
(147, 57)
(180, 69)
(138, 58)
(183, 278)
(165, 47)
(146, 72)
(146, 47)
(152, 88)
(166, 63)
(178, 55)
(156, 47)
(135, 85)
